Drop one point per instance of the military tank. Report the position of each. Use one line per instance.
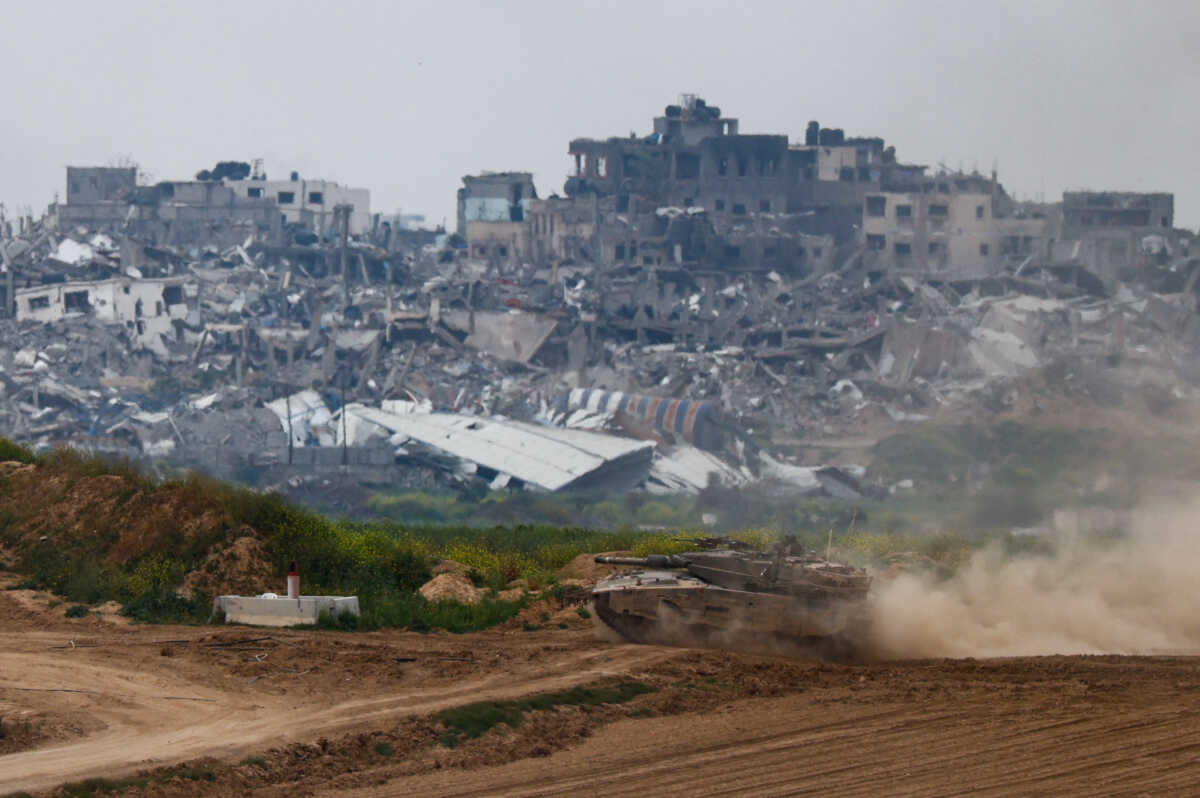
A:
(738, 599)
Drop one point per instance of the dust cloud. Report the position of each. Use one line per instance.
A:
(1137, 594)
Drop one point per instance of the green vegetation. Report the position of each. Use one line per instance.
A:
(976, 483)
(384, 748)
(99, 786)
(77, 611)
(473, 720)
(597, 510)
(88, 788)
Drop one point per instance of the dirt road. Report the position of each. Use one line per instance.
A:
(152, 711)
(313, 710)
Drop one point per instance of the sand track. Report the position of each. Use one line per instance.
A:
(161, 714)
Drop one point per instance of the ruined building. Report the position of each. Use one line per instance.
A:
(492, 214)
(1114, 234)
(964, 224)
(698, 158)
(205, 212)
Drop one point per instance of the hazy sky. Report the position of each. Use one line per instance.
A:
(404, 98)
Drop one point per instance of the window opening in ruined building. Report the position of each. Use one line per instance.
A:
(876, 206)
(739, 209)
(687, 166)
(978, 211)
(769, 252)
(934, 247)
(846, 174)
(903, 211)
(939, 211)
(137, 309)
(943, 188)
(864, 174)
(481, 251)
(876, 242)
(158, 308)
(632, 251)
(816, 252)
(647, 260)
(601, 166)
(125, 288)
(689, 202)
(742, 167)
(141, 328)
(620, 252)
(287, 197)
(76, 300)
(254, 192)
(719, 204)
(74, 186)
(723, 166)
(903, 249)
(1164, 222)
(764, 206)
(733, 253)
(502, 251)
(316, 197)
(39, 302)
(984, 249)
(622, 203)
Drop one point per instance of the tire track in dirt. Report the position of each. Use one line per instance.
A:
(776, 747)
(143, 729)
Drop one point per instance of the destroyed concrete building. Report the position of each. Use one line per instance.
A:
(217, 213)
(309, 204)
(698, 158)
(1115, 234)
(493, 213)
(965, 223)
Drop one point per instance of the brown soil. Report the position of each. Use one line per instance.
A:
(282, 712)
(241, 567)
(450, 586)
(49, 506)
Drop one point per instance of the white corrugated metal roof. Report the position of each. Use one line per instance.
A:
(548, 457)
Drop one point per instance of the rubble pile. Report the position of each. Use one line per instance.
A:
(426, 367)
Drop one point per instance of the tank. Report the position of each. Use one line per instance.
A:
(726, 598)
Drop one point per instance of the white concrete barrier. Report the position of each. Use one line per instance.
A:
(282, 611)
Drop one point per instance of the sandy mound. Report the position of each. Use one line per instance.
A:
(240, 568)
(585, 568)
(450, 587)
(450, 567)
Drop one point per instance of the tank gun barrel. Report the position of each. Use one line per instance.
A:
(653, 561)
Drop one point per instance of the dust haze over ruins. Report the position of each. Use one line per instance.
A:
(697, 305)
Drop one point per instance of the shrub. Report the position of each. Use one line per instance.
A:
(473, 720)
(77, 611)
